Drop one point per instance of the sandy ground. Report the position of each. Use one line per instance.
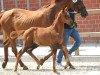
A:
(88, 63)
(85, 68)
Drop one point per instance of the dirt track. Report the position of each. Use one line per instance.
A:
(86, 68)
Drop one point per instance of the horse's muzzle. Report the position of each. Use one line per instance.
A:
(84, 13)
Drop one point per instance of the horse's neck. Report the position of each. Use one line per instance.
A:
(54, 9)
(63, 2)
(58, 25)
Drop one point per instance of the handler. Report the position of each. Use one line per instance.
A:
(70, 30)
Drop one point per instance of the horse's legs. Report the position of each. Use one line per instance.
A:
(68, 63)
(15, 52)
(5, 44)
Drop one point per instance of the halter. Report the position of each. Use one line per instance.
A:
(74, 1)
(77, 4)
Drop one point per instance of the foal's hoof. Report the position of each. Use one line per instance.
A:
(15, 70)
(55, 71)
(4, 64)
(69, 67)
(38, 67)
(25, 68)
(72, 67)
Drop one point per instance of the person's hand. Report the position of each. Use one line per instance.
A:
(74, 25)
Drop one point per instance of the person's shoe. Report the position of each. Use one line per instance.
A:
(69, 55)
(60, 66)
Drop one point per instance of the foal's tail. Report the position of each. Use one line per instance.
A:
(16, 34)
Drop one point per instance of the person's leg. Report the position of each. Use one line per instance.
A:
(66, 36)
(75, 35)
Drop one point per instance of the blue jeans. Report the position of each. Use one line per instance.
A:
(75, 35)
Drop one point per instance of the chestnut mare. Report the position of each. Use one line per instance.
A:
(50, 36)
(21, 19)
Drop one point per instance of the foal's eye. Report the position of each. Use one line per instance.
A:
(66, 16)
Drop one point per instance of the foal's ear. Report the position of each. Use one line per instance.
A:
(65, 10)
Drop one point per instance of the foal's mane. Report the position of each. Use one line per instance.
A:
(57, 18)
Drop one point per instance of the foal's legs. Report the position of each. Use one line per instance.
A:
(35, 58)
(65, 52)
(46, 57)
(54, 60)
(53, 52)
(29, 51)
(68, 63)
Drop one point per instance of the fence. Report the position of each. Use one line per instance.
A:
(25, 4)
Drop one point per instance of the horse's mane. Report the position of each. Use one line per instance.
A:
(54, 1)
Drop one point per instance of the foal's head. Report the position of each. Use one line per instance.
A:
(65, 17)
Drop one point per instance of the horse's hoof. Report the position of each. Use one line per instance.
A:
(4, 64)
(25, 68)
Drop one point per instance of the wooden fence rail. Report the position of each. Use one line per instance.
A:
(89, 34)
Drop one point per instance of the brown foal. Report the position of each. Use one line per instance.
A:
(50, 36)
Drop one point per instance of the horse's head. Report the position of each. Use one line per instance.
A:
(65, 17)
(79, 7)
(76, 5)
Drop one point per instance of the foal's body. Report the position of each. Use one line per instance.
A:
(50, 36)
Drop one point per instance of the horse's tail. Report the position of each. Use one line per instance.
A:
(1, 13)
(16, 34)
